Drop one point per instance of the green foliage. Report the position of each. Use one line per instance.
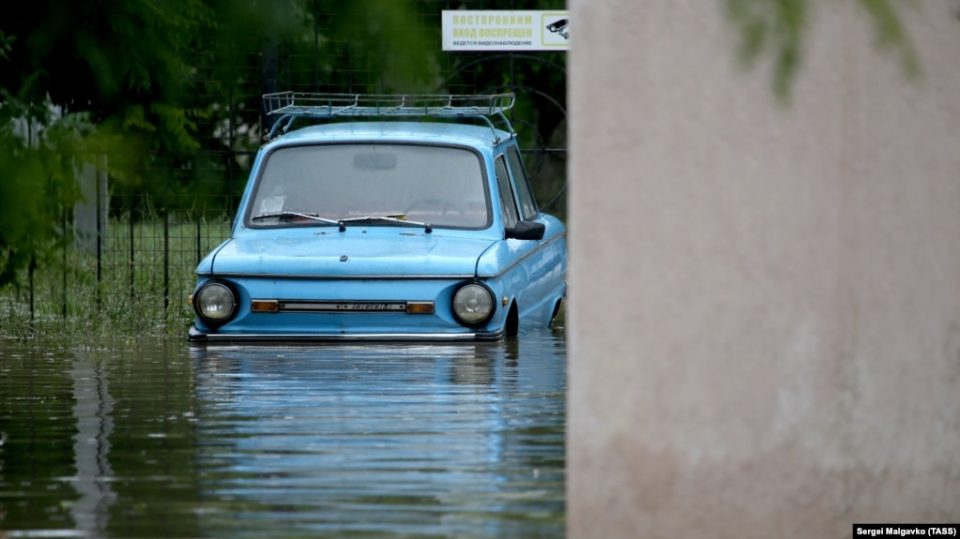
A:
(37, 172)
(75, 83)
(777, 25)
(890, 35)
(395, 47)
(6, 46)
(780, 28)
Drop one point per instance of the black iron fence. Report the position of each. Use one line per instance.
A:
(134, 275)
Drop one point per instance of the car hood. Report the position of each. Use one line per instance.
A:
(353, 253)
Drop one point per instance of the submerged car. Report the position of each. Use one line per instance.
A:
(370, 226)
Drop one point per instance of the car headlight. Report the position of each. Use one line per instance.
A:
(215, 303)
(473, 304)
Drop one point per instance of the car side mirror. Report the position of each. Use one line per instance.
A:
(527, 230)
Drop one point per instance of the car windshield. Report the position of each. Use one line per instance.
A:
(439, 185)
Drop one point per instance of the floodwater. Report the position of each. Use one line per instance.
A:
(163, 440)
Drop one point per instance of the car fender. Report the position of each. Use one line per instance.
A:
(529, 273)
(205, 267)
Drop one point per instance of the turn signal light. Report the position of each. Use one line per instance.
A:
(265, 306)
(419, 307)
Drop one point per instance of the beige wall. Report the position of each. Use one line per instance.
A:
(765, 301)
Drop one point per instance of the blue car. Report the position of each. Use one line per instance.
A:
(375, 225)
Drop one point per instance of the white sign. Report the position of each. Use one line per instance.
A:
(465, 30)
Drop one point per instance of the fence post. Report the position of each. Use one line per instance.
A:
(166, 264)
(99, 242)
(30, 269)
(132, 259)
(231, 155)
(63, 295)
(198, 241)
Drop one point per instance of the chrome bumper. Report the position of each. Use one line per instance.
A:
(196, 336)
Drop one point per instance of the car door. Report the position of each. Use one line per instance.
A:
(540, 264)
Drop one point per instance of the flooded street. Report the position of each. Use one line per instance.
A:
(164, 440)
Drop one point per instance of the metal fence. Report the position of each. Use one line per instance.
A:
(135, 275)
(131, 248)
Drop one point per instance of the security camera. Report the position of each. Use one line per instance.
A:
(560, 27)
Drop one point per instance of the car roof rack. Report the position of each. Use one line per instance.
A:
(292, 105)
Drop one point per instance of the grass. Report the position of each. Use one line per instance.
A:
(142, 268)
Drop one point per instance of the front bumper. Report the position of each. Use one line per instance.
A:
(330, 310)
(197, 336)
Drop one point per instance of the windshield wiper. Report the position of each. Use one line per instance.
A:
(387, 219)
(289, 215)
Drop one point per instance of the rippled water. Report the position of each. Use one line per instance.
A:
(164, 440)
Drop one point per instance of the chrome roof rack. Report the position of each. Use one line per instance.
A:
(292, 105)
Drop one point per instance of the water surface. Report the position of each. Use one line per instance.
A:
(163, 440)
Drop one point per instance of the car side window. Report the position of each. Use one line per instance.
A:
(528, 205)
(510, 216)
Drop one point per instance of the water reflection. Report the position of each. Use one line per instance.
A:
(163, 440)
(458, 440)
(92, 409)
(36, 453)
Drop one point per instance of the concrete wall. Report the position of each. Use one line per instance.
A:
(765, 301)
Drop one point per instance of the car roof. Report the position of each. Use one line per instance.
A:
(477, 136)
